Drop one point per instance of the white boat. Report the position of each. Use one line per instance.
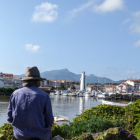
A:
(96, 93)
(81, 94)
(52, 93)
(73, 94)
(130, 93)
(114, 103)
(57, 92)
(105, 93)
(87, 94)
(92, 94)
(101, 96)
(110, 93)
(66, 93)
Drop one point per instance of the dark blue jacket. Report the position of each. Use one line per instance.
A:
(30, 113)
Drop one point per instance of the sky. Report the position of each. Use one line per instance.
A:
(100, 37)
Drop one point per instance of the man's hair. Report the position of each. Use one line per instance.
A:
(29, 83)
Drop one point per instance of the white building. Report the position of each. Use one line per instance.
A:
(134, 85)
(109, 88)
(17, 82)
(83, 82)
(1, 83)
(124, 88)
(7, 80)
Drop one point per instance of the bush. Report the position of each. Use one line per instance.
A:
(137, 130)
(77, 128)
(96, 119)
(103, 111)
(6, 132)
(8, 89)
(128, 117)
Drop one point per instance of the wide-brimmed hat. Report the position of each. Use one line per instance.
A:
(32, 73)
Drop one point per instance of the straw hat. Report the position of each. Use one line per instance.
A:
(32, 73)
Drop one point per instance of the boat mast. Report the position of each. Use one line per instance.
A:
(97, 83)
(112, 85)
(66, 83)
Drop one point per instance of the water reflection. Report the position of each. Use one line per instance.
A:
(81, 105)
(4, 102)
(61, 105)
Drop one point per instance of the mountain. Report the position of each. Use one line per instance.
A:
(66, 74)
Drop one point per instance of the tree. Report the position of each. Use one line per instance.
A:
(62, 87)
(73, 87)
(52, 88)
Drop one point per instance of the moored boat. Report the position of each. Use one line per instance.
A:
(116, 103)
(57, 92)
(87, 94)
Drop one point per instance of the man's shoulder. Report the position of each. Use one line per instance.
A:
(32, 90)
(17, 91)
(41, 92)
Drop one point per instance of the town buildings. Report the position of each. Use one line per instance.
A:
(57, 83)
(130, 85)
(127, 86)
(7, 80)
(102, 88)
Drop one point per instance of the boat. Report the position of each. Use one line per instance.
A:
(66, 93)
(62, 118)
(52, 93)
(73, 94)
(122, 104)
(100, 95)
(57, 92)
(87, 94)
(92, 94)
(110, 93)
(81, 94)
(105, 93)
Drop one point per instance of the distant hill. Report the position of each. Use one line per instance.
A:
(66, 74)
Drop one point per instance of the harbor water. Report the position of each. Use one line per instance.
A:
(61, 105)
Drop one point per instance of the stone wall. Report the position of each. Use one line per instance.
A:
(121, 97)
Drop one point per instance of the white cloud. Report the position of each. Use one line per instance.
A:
(137, 44)
(127, 20)
(32, 48)
(128, 73)
(135, 27)
(75, 11)
(109, 6)
(46, 12)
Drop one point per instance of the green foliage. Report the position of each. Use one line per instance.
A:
(96, 119)
(8, 89)
(52, 88)
(133, 110)
(133, 115)
(62, 87)
(73, 87)
(113, 134)
(77, 128)
(6, 132)
(15, 88)
(103, 111)
(128, 117)
(137, 130)
(83, 137)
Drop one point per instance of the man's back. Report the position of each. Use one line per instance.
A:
(30, 113)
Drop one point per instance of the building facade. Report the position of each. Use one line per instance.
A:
(7, 80)
(57, 83)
